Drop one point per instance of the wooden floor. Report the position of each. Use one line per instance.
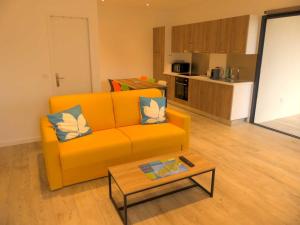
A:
(257, 183)
(290, 125)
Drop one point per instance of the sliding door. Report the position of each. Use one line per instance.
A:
(277, 96)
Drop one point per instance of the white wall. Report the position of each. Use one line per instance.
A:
(25, 79)
(126, 43)
(279, 89)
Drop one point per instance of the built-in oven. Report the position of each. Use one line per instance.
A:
(181, 88)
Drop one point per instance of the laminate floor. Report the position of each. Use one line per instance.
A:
(257, 183)
(290, 125)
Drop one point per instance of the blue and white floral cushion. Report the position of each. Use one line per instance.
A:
(153, 110)
(69, 124)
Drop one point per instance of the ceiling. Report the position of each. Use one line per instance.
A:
(165, 5)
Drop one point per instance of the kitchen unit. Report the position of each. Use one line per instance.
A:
(229, 35)
(202, 45)
(158, 52)
(223, 101)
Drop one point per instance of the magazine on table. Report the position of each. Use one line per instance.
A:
(163, 168)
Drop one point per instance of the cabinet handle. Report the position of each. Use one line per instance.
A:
(181, 84)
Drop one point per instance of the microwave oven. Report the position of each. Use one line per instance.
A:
(180, 67)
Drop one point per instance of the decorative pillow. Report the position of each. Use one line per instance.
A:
(116, 86)
(153, 110)
(69, 124)
(124, 87)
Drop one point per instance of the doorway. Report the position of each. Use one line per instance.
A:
(276, 98)
(70, 55)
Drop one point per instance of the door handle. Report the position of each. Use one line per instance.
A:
(58, 78)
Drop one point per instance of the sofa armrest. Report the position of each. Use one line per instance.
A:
(51, 155)
(181, 120)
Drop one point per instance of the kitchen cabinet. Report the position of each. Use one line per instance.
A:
(211, 98)
(185, 38)
(238, 31)
(224, 33)
(158, 52)
(230, 35)
(170, 86)
(211, 36)
(233, 35)
(177, 39)
(181, 38)
(218, 100)
(198, 38)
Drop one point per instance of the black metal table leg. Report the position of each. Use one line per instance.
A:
(125, 209)
(212, 184)
(109, 185)
(166, 95)
(124, 216)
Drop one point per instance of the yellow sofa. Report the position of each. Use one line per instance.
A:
(117, 136)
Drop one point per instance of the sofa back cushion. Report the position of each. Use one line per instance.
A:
(97, 108)
(126, 105)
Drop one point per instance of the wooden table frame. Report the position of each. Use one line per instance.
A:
(137, 84)
(125, 196)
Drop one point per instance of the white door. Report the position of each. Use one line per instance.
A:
(70, 55)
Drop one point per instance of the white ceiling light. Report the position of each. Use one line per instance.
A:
(147, 4)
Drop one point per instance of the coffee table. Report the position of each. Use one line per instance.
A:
(130, 179)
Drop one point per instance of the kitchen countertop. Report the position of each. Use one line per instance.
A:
(205, 78)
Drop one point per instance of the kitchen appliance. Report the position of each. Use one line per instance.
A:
(216, 73)
(182, 68)
(181, 88)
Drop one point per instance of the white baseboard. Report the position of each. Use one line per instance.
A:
(19, 141)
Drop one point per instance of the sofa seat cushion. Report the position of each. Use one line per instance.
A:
(98, 147)
(154, 137)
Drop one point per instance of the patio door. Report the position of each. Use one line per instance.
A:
(277, 85)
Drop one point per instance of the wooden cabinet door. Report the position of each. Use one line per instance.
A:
(238, 33)
(187, 37)
(224, 33)
(207, 96)
(200, 95)
(158, 52)
(213, 35)
(156, 47)
(211, 98)
(194, 93)
(198, 38)
(175, 45)
(222, 100)
(210, 29)
(177, 38)
(181, 38)
(170, 86)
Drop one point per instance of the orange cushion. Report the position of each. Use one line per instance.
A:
(126, 105)
(116, 85)
(97, 108)
(154, 138)
(143, 77)
(98, 147)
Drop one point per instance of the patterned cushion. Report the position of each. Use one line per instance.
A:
(153, 110)
(69, 124)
